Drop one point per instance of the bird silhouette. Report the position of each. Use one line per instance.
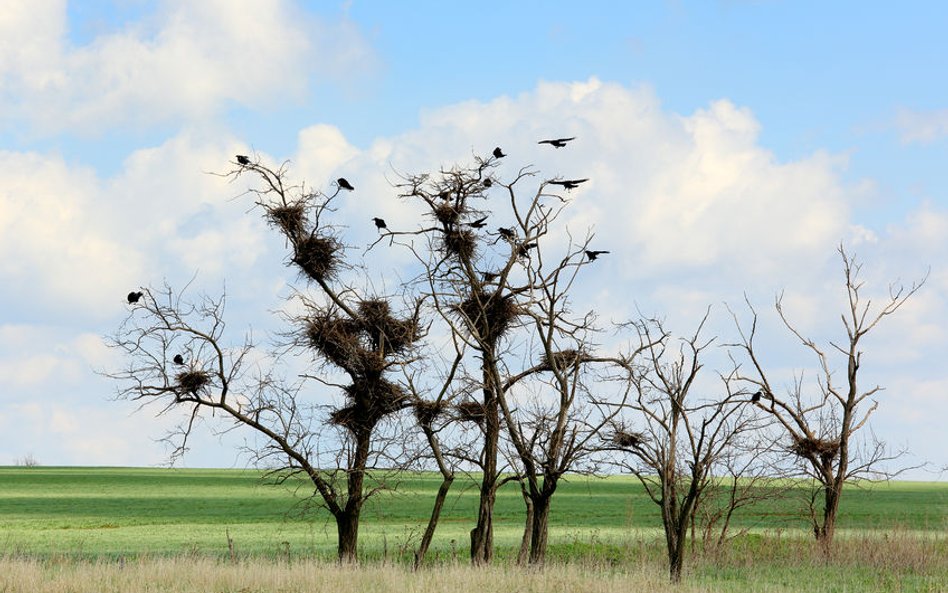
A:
(592, 255)
(178, 359)
(134, 296)
(488, 182)
(557, 142)
(498, 153)
(489, 276)
(479, 223)
(756, 397)
(523, 250)
(243, 159)
(379, 223)
(570, 183)
(445, 195)
(341, 182)
(506, 233)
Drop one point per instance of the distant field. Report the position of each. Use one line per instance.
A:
(96, 512)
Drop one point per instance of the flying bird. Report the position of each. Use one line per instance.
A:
(506, 233)
(479, 223)
(523, 250)
(134, 296)
(498, 153)
(557, 142)
(593, 254)
(756, 397)
(379, 223)
(341, 182)
(569, 184)
(178, 359)
(243, 159)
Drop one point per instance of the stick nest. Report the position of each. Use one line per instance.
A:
(563, 360)
(386, 333)
(447, 214)
(426, 412)
(807, 447)
(369, 401)
(488, 314)
(192, 381)
(317, 255)
(291, 218)
(340, 342)
(471, 411)
(459, 243)
(628, 439)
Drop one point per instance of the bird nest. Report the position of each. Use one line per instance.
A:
(192, 381)
(628, 439)
(563, 360)
(447, 214)
(488, 314)
(369, 401)
(316, 255)
(291, 218)
(460, 243)
(426, 412)
(807, 447)
(387, 333)
(471, 411)
(340, 341)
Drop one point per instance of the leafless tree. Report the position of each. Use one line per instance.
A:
(179, 358)
(822, 426)
(668, 438)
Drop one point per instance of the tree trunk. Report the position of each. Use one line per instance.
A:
(676, 558)
(347, 526)
(541, 523)
(525, 541)
(482, 536)
(433, 520)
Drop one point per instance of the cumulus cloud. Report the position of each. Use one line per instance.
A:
(186, 60)
(921, 127)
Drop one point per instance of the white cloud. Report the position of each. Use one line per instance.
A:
(921, 127)
(186, 60)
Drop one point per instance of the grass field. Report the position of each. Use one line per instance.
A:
(892, 538)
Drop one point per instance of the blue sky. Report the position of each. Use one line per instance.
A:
(779, 129)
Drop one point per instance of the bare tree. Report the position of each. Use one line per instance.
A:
(179, 358)
(671, 440)
(822, 426)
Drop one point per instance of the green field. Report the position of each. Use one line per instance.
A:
(95, 512)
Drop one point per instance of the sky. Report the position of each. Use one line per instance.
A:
(732, 146)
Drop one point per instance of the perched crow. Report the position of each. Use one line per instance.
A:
(570, 183)
(479, 223)
(557, 142)
(523, 250)
(498, 153)
(243, 159)
(489, 276)
(488, 182)
(379, 223)
(344, 184)
(756, 397)
(506, 233)
(592, 255)
(178, 359)
(134, 296)
(445, 195)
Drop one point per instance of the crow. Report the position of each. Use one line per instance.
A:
(445, 195)
(478, 224)
(488, 182)
(379, 223)
(756, 397)
(243, 159)
(178, 359)
(557, 142)
(569, 184)
(592, 255)
(506, 233)
(498, 153)
(134, 296)
(523, 250)
(341, 182)
(489, 276)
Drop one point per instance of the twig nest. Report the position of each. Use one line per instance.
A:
(628, 439)
(488, 314)
(563, 360)
(447, 214)
(386, 333)
(192, 381)
(426, 412)
(316, 255)
(460, 243)
(807, 447)
(369, 400)
(471, 411)
(291, 219)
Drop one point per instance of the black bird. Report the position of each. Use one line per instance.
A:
(341, 182)
(523, 250)
(557, 142)
(445, 195)
(498, 153)
(489, 276)
(379, 223)
(178, 359)
(570, 183)
(488, 182)
(592, 255)
(134, 296)
(479, 223)
(756, 397)
(243, 159)
(506, 233)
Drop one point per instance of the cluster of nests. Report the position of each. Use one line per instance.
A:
(806, 447)
(315, 253)
(488, 315)
(427, 412)
(455, 241)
